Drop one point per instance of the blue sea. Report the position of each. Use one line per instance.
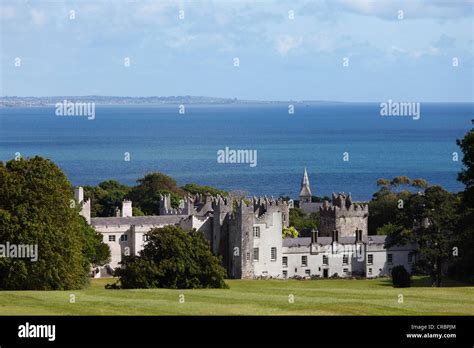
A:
(185, 147)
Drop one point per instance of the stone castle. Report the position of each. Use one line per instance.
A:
(247, 233)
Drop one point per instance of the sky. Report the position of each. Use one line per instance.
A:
(341, 50)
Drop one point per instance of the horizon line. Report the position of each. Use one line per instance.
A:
(229, 99)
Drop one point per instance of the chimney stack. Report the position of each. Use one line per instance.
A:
(335, 236)
(127, 208)
(314, 236)
(79, 194)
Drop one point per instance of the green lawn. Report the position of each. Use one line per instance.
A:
(250, 297)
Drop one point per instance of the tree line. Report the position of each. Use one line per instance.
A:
(145, 195)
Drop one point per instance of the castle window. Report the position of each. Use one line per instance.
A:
(345, 270)
(255, 254)
(304, 261)
(247, 256)
(124, 238)
(112, 238)
(285, 274)
(307, 273)
(345, 259)
(256, 231)
(389, 258)
(370, 259)
(145, 237)
(325, 260)
(370, 271)
(285, 261)
(273, 254)
(410, 257)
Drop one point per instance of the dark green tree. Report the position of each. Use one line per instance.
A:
(317, 199)
(429, 220)
(37, 207)
(387, 204)
(301, 221)
(146, 195)
(195, 189)
(106, 197)
(463, 265)
(466, 176)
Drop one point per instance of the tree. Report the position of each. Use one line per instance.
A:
(96, 252)
(382, 182)
(400, 182)
(389, 229)
(173, 258)
(317, 199)
(106, 197)
(290, 232)
(300, 221)
(419, 183)
(387, 204)
(146, 195)
(429, 221)
(466, 176)
(37, 208)
(463, 265)
(195, 189)
(383, 209)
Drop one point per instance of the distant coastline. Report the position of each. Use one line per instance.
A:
(14, 101)
(17, 101)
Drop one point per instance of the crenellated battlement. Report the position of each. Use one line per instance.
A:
(342, 204)
(186, 205)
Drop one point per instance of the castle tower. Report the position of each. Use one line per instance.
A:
(305, 191)
(222, 208)
(343, 216)
(241, 236)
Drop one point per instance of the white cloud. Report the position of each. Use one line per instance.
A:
(38, 17)
(395, 52)
(286, 43)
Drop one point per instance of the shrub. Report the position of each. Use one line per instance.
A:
(400, 277)
(175, 259)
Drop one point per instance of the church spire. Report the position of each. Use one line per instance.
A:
(305, 192)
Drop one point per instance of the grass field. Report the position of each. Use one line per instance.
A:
(251, 297)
